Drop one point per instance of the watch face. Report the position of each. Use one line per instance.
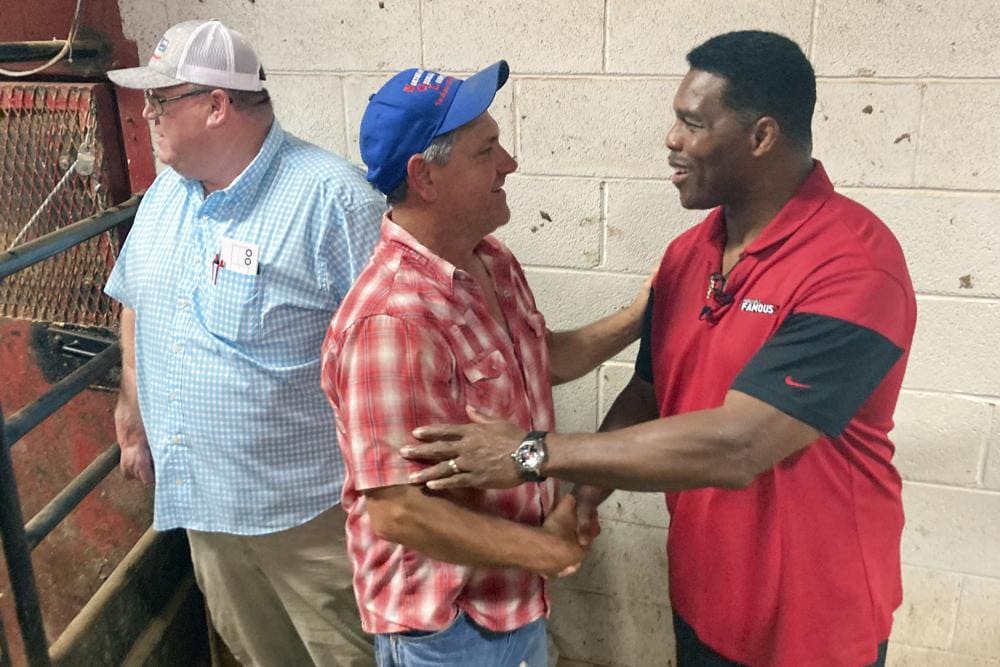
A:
(531, 457)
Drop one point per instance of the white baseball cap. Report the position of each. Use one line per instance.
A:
(206, 53)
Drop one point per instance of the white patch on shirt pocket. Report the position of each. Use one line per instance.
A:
(489, 386)
(230, 307)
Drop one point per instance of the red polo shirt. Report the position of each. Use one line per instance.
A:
(816, 319)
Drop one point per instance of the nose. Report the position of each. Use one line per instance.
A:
(673, 140)
(507, 162)
(147, 110)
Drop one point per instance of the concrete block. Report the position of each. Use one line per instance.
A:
(241, 16)
(614, 376)
(571, 299)
(978, 629)
(643, 218)
(594, 127)
(554, 221)
(628, 562)
(951, 529)
(564, 37)
(652, 36)
(576, 405)
(959, 149)
(901, 655)
(597, 628)
(866, 133)
(340, 36)
(646, 509)
(294, 97)
(940, 438)
(930, 604)
(144, 23)
(358, 88)
(955, 347)
(991, 478)
(949, 239)
(907, 38)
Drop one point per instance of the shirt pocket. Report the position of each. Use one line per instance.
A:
(488, 385)
(230, 307)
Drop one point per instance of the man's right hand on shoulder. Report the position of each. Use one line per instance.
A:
(136, 460)
(568, 553)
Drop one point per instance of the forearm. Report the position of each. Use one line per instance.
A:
(635, 404)
(442, 528)
(128, 396)
(724, 447)
(575, 353)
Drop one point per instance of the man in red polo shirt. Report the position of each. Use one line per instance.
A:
(442, 317)
(771, 362)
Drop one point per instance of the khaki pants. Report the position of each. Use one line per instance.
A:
(283, 599)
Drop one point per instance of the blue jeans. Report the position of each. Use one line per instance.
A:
(464, 643)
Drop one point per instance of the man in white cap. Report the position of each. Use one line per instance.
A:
(443, 318)
(240, 252)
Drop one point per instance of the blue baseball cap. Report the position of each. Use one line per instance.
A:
(414, 107)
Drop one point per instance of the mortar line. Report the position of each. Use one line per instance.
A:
(921, 124)
(420, 32)
(948, 487)
(347, 120)
(958, 611)
(607, 36)
(813, 30)
(991, 434)
(658, 76)
(939, 393)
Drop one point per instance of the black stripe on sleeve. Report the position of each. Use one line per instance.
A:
(818, 369)
(644, 359)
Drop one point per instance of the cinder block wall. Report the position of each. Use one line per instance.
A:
(906, 123)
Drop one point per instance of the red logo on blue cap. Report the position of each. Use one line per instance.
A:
(423, 80)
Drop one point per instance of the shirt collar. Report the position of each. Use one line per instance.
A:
(437, 268)
(810, 197)
(250, 178)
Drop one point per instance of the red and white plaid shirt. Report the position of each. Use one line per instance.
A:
(412, 343)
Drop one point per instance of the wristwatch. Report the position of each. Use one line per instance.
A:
(530, 456)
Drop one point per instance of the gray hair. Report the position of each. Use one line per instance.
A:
(242, 99)
(439, 152)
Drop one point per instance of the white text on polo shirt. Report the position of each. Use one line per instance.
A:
(757, 306)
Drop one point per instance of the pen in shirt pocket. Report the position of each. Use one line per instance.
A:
(217, 263)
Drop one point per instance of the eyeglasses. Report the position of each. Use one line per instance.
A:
(156, 103)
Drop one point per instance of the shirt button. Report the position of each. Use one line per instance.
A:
(506, 294)
(177, 439)
(183, 303)
(177, 349)
(173, 396)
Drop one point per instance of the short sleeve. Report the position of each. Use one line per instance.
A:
(833, 350)
(391, 375)
(119, 284)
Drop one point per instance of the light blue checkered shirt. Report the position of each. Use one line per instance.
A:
(228, 365)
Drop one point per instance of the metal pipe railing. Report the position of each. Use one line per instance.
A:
(19, 570)
(53, 243)
(66, 500)
(25, 52)
(60, 394)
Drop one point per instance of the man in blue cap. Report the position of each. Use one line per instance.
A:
(440, 322)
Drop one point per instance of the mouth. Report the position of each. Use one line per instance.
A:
(681, 171)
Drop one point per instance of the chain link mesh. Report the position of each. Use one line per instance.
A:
(42, 129)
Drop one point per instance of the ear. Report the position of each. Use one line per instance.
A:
(766, 133)
(222, 108)
(420, 179)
